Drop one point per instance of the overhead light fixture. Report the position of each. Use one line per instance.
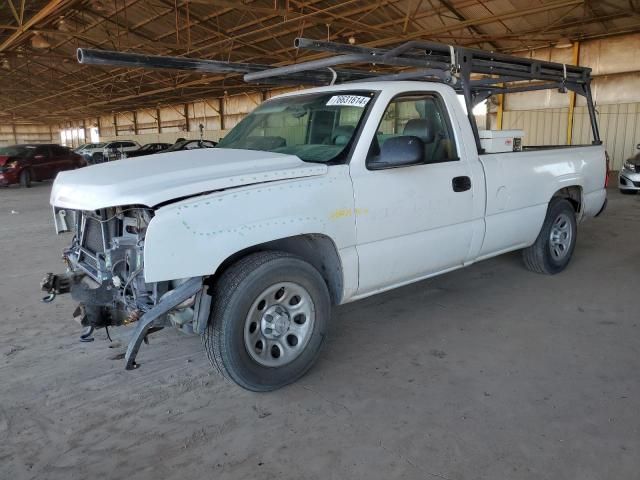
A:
(5, 64)
(63, 26)
(352, 41)
(38, 41)
(98, 5)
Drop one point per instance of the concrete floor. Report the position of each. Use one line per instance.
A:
(486, 373)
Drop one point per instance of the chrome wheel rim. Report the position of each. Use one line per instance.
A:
(561, 236)
(279, 324)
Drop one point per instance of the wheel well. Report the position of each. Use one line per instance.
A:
(573, 194)
(319, 250)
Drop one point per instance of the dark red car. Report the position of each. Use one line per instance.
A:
(25, 163)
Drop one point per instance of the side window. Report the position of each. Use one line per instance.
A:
(422, 116)
(44, 151)
(59, 151)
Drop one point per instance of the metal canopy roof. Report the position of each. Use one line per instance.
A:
(40, 78)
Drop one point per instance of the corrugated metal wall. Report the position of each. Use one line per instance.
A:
(619, 128)
(542, 127)
(11, 134)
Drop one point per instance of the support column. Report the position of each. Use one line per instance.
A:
(572, 96)
(158, 120)
(221, 110)
(135, 122)
(186, 117)
(115, 125)
(500, 112)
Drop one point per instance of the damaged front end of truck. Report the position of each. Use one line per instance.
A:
(105, 275)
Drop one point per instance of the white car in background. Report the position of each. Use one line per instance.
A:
(629, 176)
(117, 150)
(88, 149)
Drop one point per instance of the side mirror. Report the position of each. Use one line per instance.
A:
(399, 152)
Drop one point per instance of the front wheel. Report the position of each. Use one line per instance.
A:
(554, 246)
(25, 179)
(268, 321)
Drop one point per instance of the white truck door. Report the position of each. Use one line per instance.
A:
(417, 220)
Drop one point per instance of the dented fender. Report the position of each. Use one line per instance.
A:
(193, 237)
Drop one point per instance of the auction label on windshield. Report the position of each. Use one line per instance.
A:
(348, 100)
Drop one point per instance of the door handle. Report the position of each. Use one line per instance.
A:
(461, 184)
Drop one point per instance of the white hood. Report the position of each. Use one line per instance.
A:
(155, 179)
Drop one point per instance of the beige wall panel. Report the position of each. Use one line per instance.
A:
(106, 125)
(535, 100)
(612, 55)
(146, 120)
(204, 113)
(623, 88)
(558, 55)
(241, 104)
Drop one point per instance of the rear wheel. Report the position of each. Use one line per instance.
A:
(268, 322)
(554, 246)
(25, 179)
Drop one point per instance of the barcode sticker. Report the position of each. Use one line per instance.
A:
(348, 100)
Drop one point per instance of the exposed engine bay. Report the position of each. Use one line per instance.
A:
(105, 271)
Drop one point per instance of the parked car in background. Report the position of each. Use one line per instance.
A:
(25, 163)
(80, 147)
(190, 145)
(120, 149)
(88, 149)
(114, 151)
(629, 176)
(148, 149)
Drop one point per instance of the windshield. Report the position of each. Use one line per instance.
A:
(177, 146)
(317, 127)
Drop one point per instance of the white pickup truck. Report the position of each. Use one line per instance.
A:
(317, 198)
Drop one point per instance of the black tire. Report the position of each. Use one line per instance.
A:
(628, 192)
(235, 294)
(539, 257)
(25, 179)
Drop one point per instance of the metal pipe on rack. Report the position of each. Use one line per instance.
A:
(135, 60)
(90, 56)
(444, 76)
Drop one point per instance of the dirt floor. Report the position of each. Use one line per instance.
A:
(490, 372)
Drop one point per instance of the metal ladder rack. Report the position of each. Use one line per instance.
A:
(476, 74)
